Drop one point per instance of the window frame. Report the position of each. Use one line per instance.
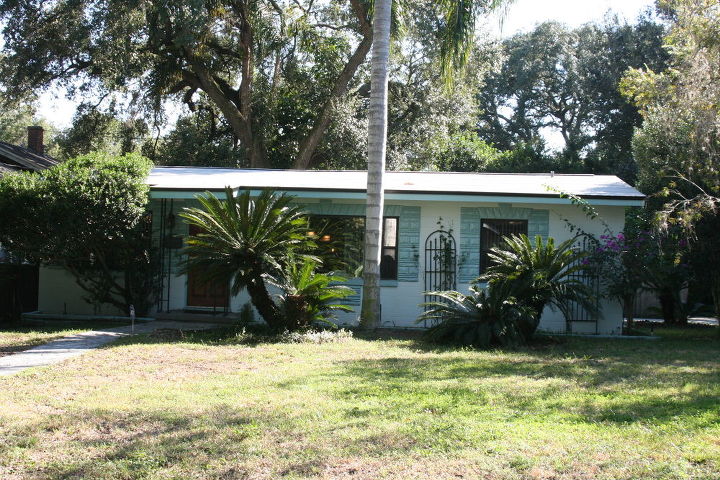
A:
(395, 248)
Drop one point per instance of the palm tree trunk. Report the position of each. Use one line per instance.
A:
(263, 302)
(377, 140)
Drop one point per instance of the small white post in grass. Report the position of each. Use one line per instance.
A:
(132, 319)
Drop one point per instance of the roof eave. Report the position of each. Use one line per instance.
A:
(355, 194)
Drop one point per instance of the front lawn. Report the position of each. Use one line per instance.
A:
(366, 409)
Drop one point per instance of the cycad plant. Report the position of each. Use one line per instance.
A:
(486, 317)
(245, 241)
(310, 298)
(540, 275)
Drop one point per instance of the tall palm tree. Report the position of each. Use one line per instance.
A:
(456, 35)
(377, 141)
(245, 241)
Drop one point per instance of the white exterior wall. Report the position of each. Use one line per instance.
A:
(400, 304)
(59, 293)
(400, 300)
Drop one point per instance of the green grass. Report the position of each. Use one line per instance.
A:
(213, 406)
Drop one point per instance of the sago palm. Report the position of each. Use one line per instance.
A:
(245, 241)
(484, 318)
(310, 297)
(540, 275)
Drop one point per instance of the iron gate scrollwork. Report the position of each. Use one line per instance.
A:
(590, 278)
(440, 263)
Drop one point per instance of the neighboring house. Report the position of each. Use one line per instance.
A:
(15, 158)
(19, 281)
(438, 229)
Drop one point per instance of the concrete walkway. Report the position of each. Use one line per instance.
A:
(74, 345)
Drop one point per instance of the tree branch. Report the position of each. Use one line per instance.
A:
(322, 122)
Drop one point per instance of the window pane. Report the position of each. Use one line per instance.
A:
(340, 240)
(390, 232)
(492, 233)
(388, 263)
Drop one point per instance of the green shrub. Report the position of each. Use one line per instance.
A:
(484, 318)
(310, 298)
(540, 275)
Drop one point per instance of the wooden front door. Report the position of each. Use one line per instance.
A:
(205, 294)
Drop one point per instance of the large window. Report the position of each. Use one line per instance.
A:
(341, 241)
(492, 233)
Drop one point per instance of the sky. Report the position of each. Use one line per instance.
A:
(521, 16)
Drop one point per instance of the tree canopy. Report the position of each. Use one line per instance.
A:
(678, 146)
(566, 80)
(275, 70)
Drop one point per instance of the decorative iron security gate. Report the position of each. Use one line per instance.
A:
(589, 277)
(440, 264)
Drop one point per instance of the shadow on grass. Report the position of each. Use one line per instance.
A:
(596, 390)
(118, 444)
(599, 380)
(20, 336)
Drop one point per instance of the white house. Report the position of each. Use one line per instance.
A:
(471, 211)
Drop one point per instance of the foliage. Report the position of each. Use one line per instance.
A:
(286, 80)
(667, 273)
(262, 64)
(619, 260)
(425, 118)
(310, 298)
(526, 158)
(13, 123)
(540, 275)
(89, 216)
(704, 261)
(18, 114)
(203, 138)
(681, 133)
(245, 241)
(640, 257)
(94, 130)
(678, 147)
(484, 318)
(566, 80)
(464, 152)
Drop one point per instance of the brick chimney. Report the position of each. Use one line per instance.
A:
(35, 139)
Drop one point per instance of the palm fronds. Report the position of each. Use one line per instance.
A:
(310, 297)
(484, 318)
(541, 274)
(244, 241)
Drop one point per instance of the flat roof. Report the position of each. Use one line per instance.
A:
(199, 179)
